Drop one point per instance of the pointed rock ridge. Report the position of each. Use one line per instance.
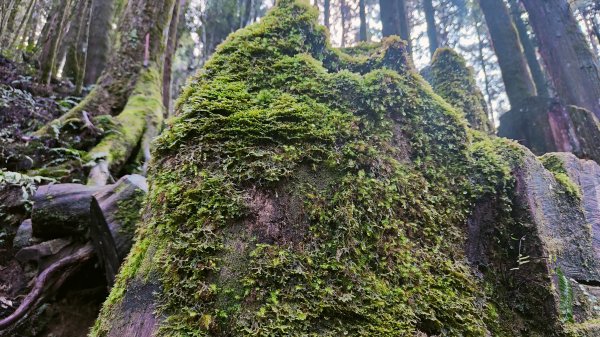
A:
(301, 190)
(451, 78)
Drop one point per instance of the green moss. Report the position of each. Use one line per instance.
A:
(455, 82)
(128, 212)
(302, 191)
(143, 108)
(555, 165)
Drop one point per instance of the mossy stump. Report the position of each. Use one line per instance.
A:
(304, 191)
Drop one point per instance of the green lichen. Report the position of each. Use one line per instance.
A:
(303, 191)
(555, 165)
(455, 82)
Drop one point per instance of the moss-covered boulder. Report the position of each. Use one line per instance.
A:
(304, 191)
(452, 79)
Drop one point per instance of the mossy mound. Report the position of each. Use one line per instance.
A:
(452, 79)
(302, 191)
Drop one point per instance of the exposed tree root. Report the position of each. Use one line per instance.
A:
(137, 124)
(48, 281)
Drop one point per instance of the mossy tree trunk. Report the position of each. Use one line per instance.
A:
(541, 83)
(142, 31)
(7, 21)
(513, 65)
(350, 200)
(18, 36)
(573, 68)
(130, 89)
(51, 38)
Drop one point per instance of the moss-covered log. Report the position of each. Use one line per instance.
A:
(302, 191)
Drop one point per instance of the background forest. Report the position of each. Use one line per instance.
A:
(87, 86)
(203, 24)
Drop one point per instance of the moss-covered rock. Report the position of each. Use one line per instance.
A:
(452, 79)
(304, 191)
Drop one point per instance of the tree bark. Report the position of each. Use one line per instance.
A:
(541, 83)
(114, 213)
(327, 13)
(99, 39)
(363, 21)
(394, 19)
(432, 33)
(515, 72)
(61, 210)
(572, 66)
(170, 51)
(344, 16)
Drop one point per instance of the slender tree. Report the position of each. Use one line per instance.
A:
(24, 21)
(515, 72)
(51, 37)
(432, 33)
(572, 66)
(363, 21)
(76, 51)
(170, 51)
(327, 13)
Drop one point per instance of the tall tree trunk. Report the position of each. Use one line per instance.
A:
(515, 72)
(539, 78)
(8, 22)
(572, 66)
(327, 13)
(142, 32)
(99, 39)
(344, 16)
(129, 88)
(24, 21)
(171, 49)
(363, 21)
(245, 17)
(76, 51)
(432, 33)
(486, 78)
(394, 19)
(51, 38)
(32, 25)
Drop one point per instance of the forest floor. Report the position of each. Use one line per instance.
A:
(25, 105)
